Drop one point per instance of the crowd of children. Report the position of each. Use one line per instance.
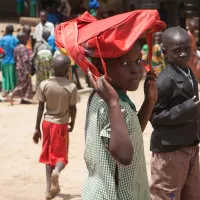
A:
(32, 56)
(114, 153)
(112, 58)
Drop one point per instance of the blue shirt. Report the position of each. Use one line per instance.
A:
(51, 42)
(8, 43)
(19, 1)
(52, 18)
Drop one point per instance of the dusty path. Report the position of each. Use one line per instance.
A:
(21, 176)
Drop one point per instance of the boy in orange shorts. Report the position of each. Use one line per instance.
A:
(60, 97)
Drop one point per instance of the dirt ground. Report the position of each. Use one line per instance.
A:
(21, 176)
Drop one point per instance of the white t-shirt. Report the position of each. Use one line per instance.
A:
(39, 29)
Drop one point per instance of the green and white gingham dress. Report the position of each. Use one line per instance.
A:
(100, 181)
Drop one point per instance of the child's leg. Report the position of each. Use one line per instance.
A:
(59, 167)
(59, 150)
(191, 189)
(49, 171)
(169, 173)
(55, 188)
(78, 83)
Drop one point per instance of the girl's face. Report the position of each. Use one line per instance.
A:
(126, 72)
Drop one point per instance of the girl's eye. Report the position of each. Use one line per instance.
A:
(138, 61)
(125, 63)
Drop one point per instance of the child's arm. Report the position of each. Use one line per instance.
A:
(165, 115)
(120, 145)
(37, 134)
(179, 114)
(73, 112)
(74, 99)
(151, 95)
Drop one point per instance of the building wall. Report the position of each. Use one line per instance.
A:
(7, 8)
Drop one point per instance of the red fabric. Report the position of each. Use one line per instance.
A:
(55, 143)
(1, 51)
(115, 35)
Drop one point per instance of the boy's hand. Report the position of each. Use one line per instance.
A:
(150, 88)
(71, 127)
(197, 103)
(104, 90)
(37, 135)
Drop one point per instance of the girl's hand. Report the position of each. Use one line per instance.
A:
(104, 90)
(150, 88)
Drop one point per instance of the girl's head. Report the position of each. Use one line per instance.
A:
(110, 39)
(125, 72)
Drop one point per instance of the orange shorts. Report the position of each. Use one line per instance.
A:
(55, 143)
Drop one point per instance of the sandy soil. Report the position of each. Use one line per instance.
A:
(21, 176)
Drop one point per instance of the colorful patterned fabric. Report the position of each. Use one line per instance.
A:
(43, 65)
(100, 182)
(24, 86)
(43, 58)
(158, 60)
(22, 58)
(23, 66)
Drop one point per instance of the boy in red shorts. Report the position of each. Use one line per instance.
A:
(60, 97)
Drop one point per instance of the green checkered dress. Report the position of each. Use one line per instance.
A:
(100, 181)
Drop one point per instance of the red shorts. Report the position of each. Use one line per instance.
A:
(55, 143)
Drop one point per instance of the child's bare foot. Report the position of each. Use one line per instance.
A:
(9, 99)
(55, 188)
(48, 196)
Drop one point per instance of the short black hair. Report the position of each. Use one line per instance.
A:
(21, 36)
(9, 29)
(26, 28)
(61, 64)
(43, 11)
(170, 33)
(45, 34)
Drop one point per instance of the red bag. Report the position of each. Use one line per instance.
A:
(1, 51)
(107, 38)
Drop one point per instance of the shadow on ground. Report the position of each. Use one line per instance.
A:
(68, 196)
